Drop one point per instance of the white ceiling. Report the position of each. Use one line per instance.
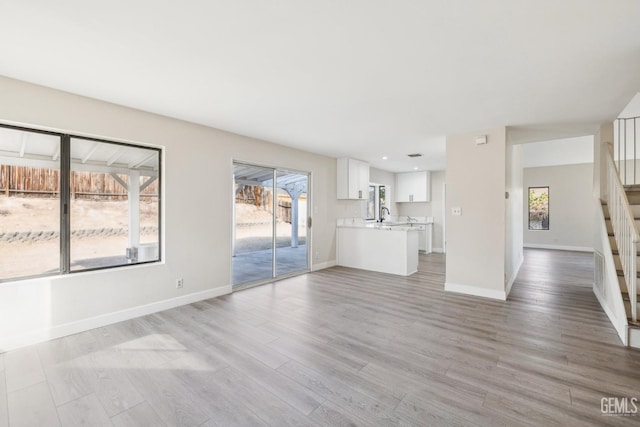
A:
(633, 108)
(364, 78)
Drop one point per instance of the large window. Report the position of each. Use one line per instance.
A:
(538, 208)
(29, 204)
(73, 204)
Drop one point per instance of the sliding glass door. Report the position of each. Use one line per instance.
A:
(291, 222)
(270, 223)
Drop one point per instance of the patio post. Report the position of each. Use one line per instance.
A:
(134, 209)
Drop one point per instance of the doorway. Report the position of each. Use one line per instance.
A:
(270, 224)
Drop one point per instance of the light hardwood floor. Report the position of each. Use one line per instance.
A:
(341, 347)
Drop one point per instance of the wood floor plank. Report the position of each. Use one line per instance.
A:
(202, 380)
(85, 411)
(32, 406)
(115, 391)
(428, 414)
(68, 382)
(312, 352)
(68, 377)
(247, 345)
(266, 405)
(341, 394)
(308, 355)
(331, 415)
(464, 406)
(170, 399)
(535, 413)
(4, 410)
(344, 347)
(146, 346)
(23, 368)
(288, 390)
(589, 402)
(141, 415)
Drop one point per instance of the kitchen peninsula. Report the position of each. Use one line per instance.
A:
(383, 247)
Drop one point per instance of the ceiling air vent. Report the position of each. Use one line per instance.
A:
(415, 155)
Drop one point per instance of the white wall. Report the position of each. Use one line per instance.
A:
(476, 179)
(571, 208)
(438, 179)
(556, 152)
(602, 143)
(513, 211)
(197, 234)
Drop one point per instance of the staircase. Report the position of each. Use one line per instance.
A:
(633, 196)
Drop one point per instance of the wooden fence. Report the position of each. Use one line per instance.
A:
(39, 182)
(284, 211)
(261, 198)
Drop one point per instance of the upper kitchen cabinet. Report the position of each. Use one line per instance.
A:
(413, 187)
(353, 179)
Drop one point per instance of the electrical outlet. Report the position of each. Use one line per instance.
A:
(179, 283)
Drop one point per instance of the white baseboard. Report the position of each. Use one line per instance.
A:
(634, 337)
(438, 250)
(71, 328)
(558, 247)
(323, 265)
(514, 275)
(476, 291)
(622, 333)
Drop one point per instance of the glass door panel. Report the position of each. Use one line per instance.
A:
(291, 222)
(253, 226)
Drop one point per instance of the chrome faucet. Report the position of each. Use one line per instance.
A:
(382, 209)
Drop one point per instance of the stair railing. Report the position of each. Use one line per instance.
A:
(626, 149)
(624, 231)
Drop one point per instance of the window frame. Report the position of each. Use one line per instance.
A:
(65, 202)
(548, 208)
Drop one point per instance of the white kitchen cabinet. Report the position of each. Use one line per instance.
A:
(353, 179)
(425, 237)
(413, 187)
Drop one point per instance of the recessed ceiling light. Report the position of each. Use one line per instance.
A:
(415, 168)
(384, 157)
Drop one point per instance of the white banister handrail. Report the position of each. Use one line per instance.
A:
(624, 230)
(626, 149)
(619, 188)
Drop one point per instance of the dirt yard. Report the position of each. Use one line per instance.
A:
(98, 232)
(254, 230)
(93, 225)
(35, 214)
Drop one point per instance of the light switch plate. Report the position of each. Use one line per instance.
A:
(456, 211)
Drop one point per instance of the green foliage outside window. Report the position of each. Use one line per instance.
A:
(539, 208)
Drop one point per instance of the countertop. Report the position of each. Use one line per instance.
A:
(386, 225)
